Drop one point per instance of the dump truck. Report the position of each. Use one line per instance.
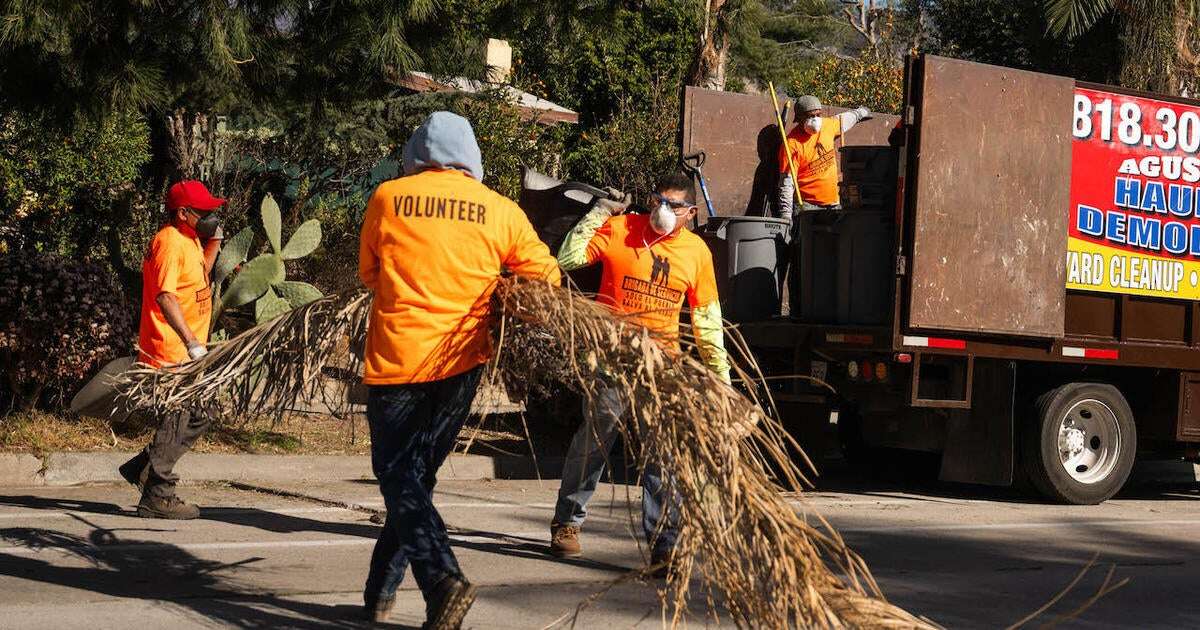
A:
(1011, 285)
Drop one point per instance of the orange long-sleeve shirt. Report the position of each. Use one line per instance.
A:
(432, 248)
(815, 157)
(174, 263)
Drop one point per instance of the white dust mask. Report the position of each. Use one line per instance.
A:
(813, 125)
(663, 219)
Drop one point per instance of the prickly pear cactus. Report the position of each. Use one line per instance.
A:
(263, 279)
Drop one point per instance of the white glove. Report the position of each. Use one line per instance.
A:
(863, 113)
(196, 351)
(615, 207)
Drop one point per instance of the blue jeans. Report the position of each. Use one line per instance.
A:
(413, 428)
(584, 465)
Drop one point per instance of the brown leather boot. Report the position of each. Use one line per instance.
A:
(564, 541)
(170, 507)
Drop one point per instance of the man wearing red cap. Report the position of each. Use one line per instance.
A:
(176, 310)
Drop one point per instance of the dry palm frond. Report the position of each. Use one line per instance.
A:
(266, 369)
(763, 562)
(767, 565)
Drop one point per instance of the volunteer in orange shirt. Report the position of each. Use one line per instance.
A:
(176, 309)
(651, 264)
(815, 156)
(432, 247)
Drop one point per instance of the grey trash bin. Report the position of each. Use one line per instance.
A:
(747, 252)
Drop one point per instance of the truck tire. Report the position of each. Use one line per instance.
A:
(1081, 445)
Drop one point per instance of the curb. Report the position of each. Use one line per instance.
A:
(67, 469)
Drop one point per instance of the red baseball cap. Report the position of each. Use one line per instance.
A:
(190, 193)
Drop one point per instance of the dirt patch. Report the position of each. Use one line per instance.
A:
(297, 434)
(300, 434)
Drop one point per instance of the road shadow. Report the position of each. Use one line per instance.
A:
(64, 505)
(166, 573)
(287, 523)
(525, 548)
(990, 578)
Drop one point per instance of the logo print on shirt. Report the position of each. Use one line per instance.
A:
(823, 160)
(660, 273)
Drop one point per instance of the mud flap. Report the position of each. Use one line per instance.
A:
(979, 441)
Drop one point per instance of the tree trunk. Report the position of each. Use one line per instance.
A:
(1150, 36)
(1188, 62)
(712, 50)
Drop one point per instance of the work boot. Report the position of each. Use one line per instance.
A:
(379, 610)
(170, 507)
(448, 603)
(564, 541)
(136, 470)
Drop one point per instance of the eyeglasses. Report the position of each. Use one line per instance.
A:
(675, 205)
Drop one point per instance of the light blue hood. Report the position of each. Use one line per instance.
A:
(445, 140)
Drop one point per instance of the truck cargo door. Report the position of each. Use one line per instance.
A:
(989, 213)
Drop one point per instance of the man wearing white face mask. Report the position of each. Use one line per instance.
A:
(651, 264)
(814, 156)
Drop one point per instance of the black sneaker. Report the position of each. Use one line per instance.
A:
(166, 507)
(136, 471)
(448, 604)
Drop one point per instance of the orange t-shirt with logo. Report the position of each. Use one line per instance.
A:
(432, 248)
(649, 276)
(174, 264)
(816, 160)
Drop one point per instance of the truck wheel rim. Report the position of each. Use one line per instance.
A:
(1089, 441)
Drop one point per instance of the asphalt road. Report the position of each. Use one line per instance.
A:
(964, 557)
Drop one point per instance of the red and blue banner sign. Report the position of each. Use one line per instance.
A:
(1135, 196)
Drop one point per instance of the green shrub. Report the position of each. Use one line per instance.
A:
(58, 185)
(60, 319)
(871, 79)
(506, 138)
(631, 150)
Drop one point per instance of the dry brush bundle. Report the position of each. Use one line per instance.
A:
(267, 369)
(766, 564)
(762, 561)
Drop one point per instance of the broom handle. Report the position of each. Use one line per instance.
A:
(786, 152)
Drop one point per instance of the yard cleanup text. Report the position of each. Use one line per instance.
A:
(1135, 196)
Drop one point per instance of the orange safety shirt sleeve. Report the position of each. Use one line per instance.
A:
(703, 291)
(368, 256)
(164, 265)
(528, 255)
(599, 243)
